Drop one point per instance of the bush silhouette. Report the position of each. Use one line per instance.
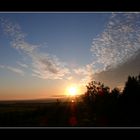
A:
(112, 107)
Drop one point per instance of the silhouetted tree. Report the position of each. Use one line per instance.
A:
(131, 100)
(113, 108)
(97, 98)
(119, 108)
(115, 93)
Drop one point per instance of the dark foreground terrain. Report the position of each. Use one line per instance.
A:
(24, 114)
(63, 114)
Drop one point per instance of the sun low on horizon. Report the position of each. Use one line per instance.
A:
(73, 91)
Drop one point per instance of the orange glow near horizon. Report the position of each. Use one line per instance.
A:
(40, 91)
(73, 91)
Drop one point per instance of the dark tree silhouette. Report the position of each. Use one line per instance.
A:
(97, 99)
(131, 100)
(114, 108)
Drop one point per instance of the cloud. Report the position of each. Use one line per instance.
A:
(22, 65)
(16, 70)
(2, 66)
(48, 67)
(85, 73)
(117, 76)
(118, 42)
(87, 70)
(13, 69)
(44, 65)
(114, 51)
(69, 78)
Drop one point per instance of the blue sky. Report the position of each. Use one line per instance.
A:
(67, 35)
(52, 50)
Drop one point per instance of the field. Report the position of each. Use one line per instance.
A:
(49, 114)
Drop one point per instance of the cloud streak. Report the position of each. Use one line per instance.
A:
(48, 67)
(13, 69)
(44, 65)
(22, 65)
(16, 70)
(2, 66)
(118, 42)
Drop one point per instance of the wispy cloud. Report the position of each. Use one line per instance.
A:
(44, 65)
(22, 65)
(118, 76)
(2, 66)
(116, 45)
(118, 42)
(13, 69)
(16, 70)
(85, 73)
(48, 67)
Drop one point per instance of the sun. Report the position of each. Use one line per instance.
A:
(72, 91)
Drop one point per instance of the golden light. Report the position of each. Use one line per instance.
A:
(72, 91)
(72, 101)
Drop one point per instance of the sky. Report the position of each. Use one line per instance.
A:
(43, 53)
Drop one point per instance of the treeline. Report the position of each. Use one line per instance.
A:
(114, 107)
